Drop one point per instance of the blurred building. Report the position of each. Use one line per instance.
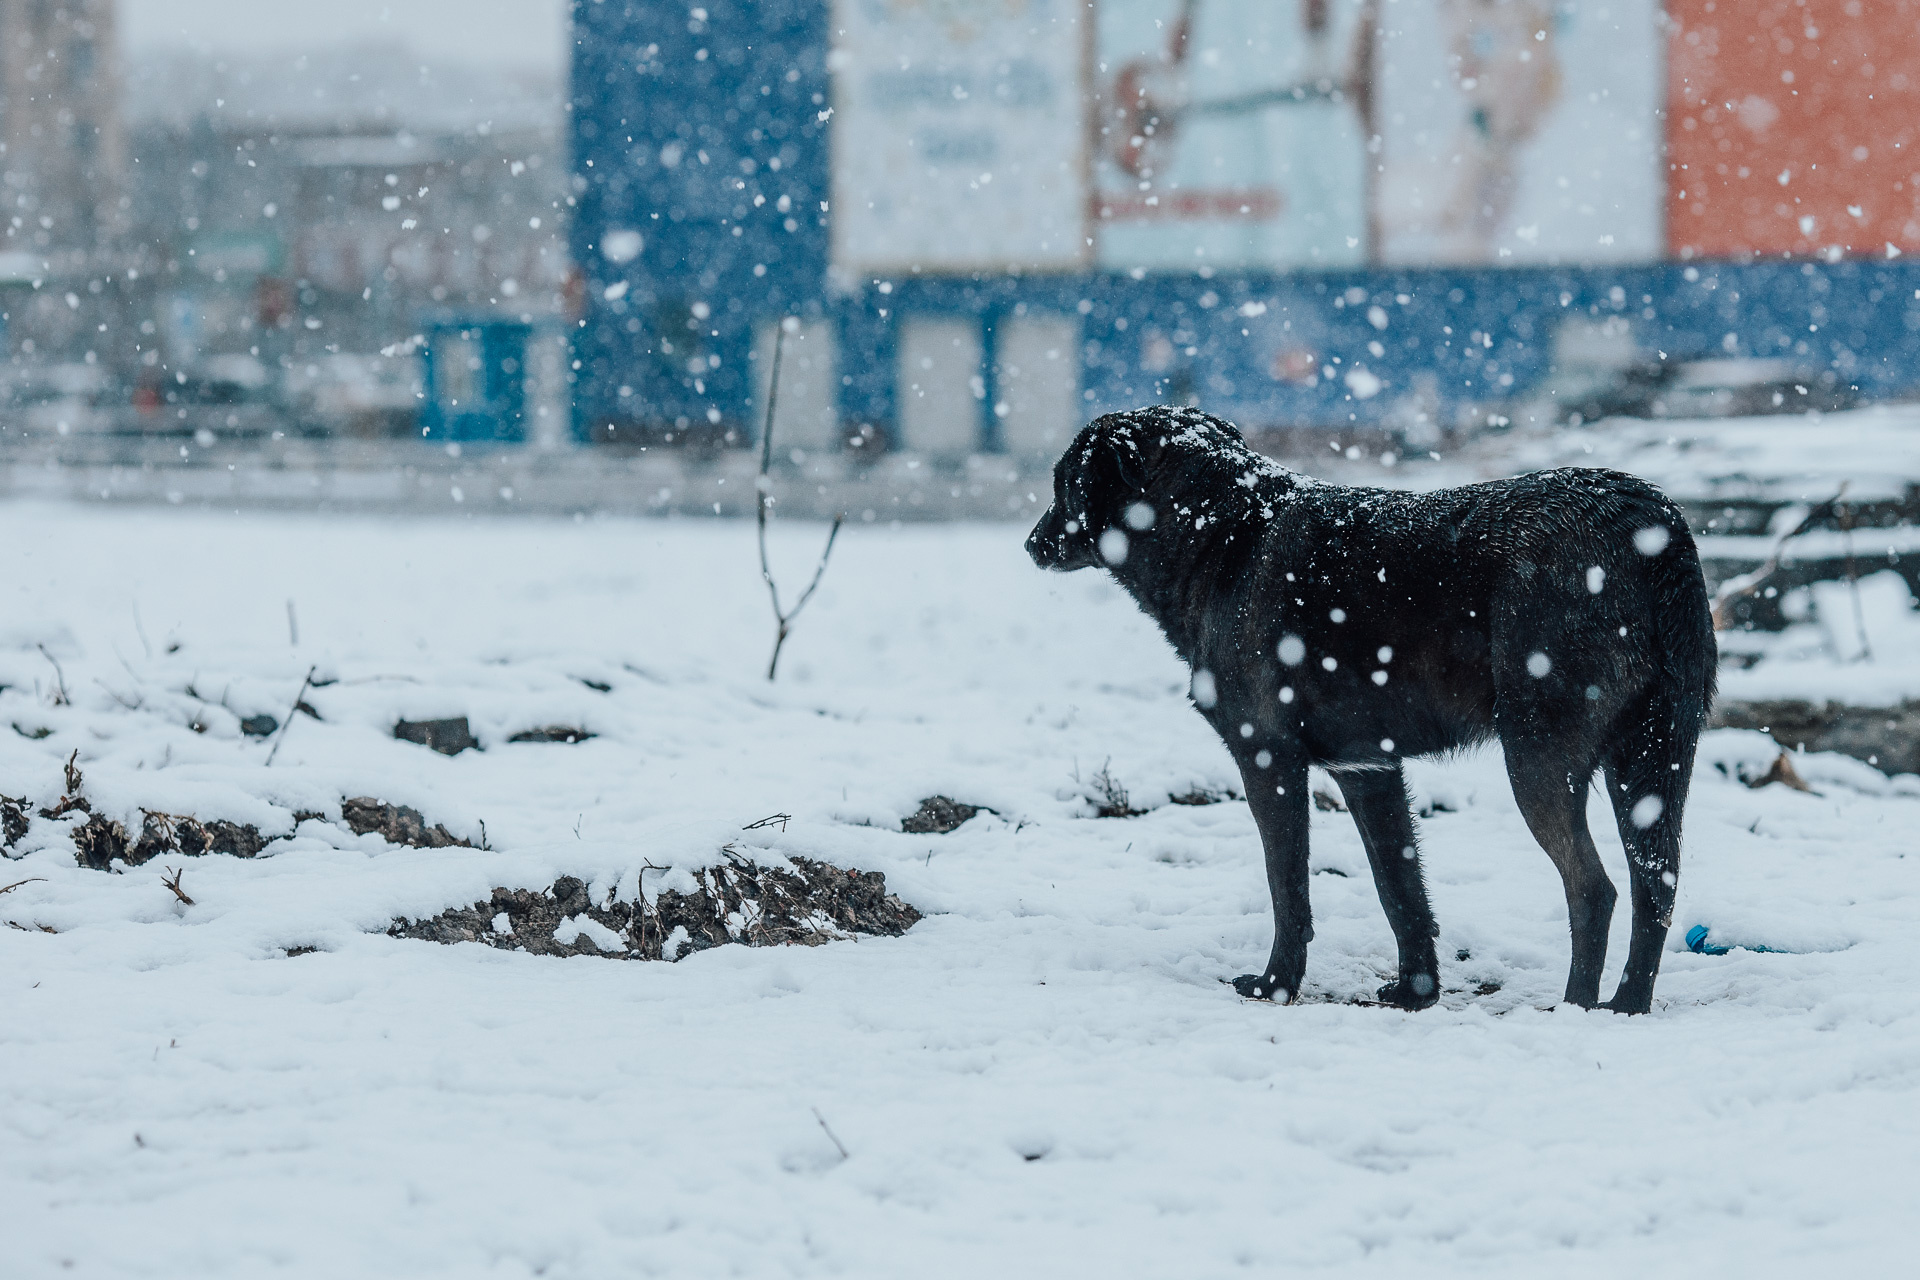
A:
(60, 127)
(293, 219)
(995, 220)
(62, 168)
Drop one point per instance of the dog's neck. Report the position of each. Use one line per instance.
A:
(1199, 552)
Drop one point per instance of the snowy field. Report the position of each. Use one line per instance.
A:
(1045, 1077)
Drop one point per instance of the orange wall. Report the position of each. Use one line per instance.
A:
(1824, 91)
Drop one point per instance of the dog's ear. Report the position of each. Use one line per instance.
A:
(1117, 465)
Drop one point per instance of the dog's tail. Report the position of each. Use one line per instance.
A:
(1649, 762)
(1683, 623)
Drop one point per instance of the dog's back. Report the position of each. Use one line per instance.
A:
(1499, 607)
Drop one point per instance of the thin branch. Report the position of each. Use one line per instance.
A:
(17, 883)
(782, 818)
(60, 698)
(762, 499)
(174, 884)
(763, 503)
(291, 713)
(838, 1145)
(820, 568)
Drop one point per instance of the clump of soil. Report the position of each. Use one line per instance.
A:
(13, 821)
(552, 733)
(736, 901)
(100, 840)
(448, 737)
(1202, 795)
(396, 824)
(938, 815)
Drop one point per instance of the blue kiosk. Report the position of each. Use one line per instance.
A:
(475, 378)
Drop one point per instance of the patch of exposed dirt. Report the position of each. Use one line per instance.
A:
(13, 821)
(1202, 795)
(1886, 737)
(552, 733)
(937, 815)
(100, 840)
(736, 901)
(396, 824)
(448, 737)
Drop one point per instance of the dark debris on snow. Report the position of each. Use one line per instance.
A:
(735, 901)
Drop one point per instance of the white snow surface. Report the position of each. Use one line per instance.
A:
(1873, 451)
(1044, 1077)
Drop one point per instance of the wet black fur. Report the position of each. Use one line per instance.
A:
(1466, 587)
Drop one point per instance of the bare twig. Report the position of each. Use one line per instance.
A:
(763, 505)
(141, 631)
(1747, 583)
(647, 909)
(293, 625)
(838, 1145)
(17, 883)
(71, 774)
(60, 698)
(135, 705)
(782, 818)
(291, 713)
(174, 884)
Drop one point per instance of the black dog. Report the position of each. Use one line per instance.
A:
(1563, 613)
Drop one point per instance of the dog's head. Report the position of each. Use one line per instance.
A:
(1104, 484)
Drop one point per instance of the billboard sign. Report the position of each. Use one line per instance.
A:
(958, 136)
(1229, 133)
(1522, 132)
(1245, 134)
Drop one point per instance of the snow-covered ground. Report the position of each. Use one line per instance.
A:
(1043, 1077)
(1874, 452)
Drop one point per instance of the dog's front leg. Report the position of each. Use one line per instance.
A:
(1277, 794)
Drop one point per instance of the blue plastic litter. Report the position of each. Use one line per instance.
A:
(1698, 943)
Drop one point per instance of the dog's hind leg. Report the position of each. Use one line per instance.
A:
(1277, 795)
(1377, 799)
(1648, 772)
(1550, 786)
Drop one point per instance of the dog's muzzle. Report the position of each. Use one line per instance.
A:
(1046, 545)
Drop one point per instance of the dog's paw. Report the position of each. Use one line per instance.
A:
(1416, 991)
(1254, 986)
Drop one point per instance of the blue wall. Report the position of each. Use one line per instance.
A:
(1476, 337)
(677, 126)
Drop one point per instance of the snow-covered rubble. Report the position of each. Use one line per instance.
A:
(1045, 1075)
